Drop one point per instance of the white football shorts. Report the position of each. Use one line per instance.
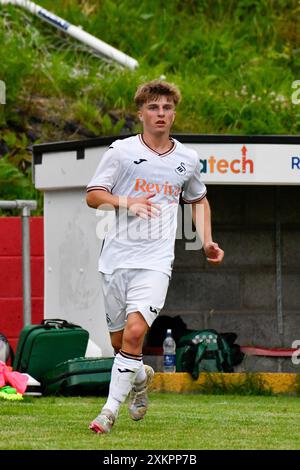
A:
(133, 290)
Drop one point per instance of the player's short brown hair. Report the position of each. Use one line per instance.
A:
(152, 90)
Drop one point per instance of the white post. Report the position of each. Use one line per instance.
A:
(26, 274)
(75, 32)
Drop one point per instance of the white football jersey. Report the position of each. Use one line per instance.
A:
(131, 168)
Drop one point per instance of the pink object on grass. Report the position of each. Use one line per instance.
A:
(13, 378)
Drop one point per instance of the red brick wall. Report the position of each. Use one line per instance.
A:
(11, 291)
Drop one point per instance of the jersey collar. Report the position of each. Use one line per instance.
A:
(164, 154)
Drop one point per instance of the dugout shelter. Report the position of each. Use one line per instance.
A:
(253, 188)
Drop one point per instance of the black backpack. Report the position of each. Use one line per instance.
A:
(161, 324)
(207, 351)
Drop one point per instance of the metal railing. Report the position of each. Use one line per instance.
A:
(26, 207)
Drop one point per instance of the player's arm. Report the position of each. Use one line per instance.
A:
(99, 189)
(201, 215)
(104, 200)
(140, 206)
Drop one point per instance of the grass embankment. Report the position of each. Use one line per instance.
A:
(234, 61)
(174, 421)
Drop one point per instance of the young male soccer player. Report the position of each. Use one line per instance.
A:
(142, 177)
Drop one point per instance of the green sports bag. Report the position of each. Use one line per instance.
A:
(79, 376)
(207, 351)
(41, 347)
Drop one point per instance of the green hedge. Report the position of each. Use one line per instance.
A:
(234, 62)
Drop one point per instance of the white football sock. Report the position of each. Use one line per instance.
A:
(123, 375)
(140, 378)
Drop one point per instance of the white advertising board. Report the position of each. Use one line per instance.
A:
(249, 163)
(223, 160)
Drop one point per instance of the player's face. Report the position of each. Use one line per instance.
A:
(157, 116)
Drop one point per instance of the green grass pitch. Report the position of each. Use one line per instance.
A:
(173, 421)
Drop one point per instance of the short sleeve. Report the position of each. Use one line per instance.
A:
(107, 172)
(194, 189)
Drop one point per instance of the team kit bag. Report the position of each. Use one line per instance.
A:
(79, 376)
(41, 347)
(207, 351)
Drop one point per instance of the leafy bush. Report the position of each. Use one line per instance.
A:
(234, 61)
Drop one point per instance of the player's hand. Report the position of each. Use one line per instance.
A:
(143, 207)
(214, 254)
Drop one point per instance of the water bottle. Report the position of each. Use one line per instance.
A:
(169, 348)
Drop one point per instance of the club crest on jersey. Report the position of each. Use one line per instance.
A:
(181, 170)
